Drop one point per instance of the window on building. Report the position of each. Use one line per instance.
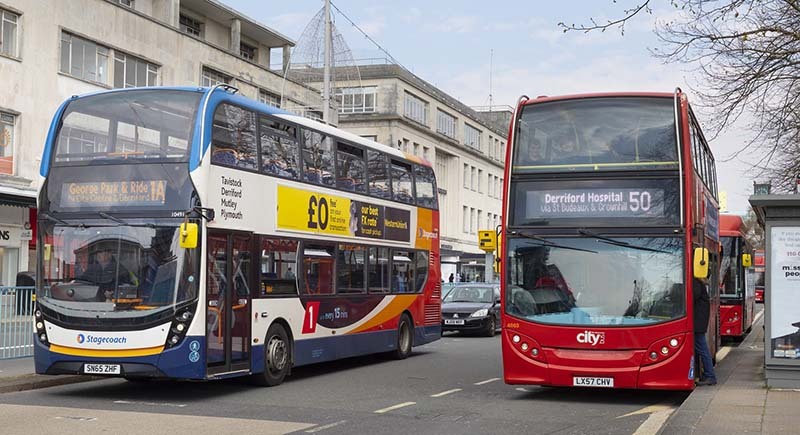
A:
(7, 122)
(426, 153)
(480, 219)
(248, 52)
(473, 178)
(8, 33)
(130, 71)
(278, 266)
(416, 149)
(234, 137)
(351, 173)
(466, 176)
(471, 220)
(446, 124)
(371, 137)
(318, 269)
(357, 100)
(416, 108)
(480, 181)
(465, 219)
(269, 98)
(127, 3)
(317, 158)
(84, 59)
(472, 137)
(211, 77)
(190, 25)
(491, 147)
(378, 270)
(279, 149)
(350, 269)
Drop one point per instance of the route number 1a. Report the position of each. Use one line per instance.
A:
(317, 213)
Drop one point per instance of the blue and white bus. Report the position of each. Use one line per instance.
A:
(192, 233)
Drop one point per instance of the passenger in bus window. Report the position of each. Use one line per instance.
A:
(289, 274)
(564, 149)
(535, 152)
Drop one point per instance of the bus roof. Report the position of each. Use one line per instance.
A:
(730, 225)
(546, 99)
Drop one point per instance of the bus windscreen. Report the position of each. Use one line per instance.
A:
(610, 133)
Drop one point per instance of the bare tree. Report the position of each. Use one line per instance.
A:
(753, 232)
(748, 57)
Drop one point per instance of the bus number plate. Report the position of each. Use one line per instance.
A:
(585, 381)
(102, 369)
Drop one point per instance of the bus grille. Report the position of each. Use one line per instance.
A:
(433, 309)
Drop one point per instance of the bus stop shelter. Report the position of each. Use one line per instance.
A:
(780, 217)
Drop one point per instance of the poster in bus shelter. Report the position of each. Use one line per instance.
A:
(784, 292)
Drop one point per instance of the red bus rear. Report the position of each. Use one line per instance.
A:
(606, 198)
(737, 280)
(759, 261)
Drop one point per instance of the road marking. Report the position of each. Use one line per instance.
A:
(486, 381)
(758, 317)
(327, 426)
(524, 390)
(174, 405)
(393, 407)
(72, 417)
(444, 393)
(723, 353)
(659, 414)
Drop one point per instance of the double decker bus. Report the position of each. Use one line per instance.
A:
(737, 279)
(192, 233)
(610, 211)
(759, 263)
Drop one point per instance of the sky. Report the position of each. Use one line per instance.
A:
(455, 44)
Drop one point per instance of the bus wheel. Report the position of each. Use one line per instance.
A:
(277, 357)
(405, 338)
(491, 326)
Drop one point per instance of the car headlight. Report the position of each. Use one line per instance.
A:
(480, 313)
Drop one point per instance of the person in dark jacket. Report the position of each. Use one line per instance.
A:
(702, 311)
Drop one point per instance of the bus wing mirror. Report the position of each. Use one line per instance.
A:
(701, 263)
(188, 235)
(747, 260)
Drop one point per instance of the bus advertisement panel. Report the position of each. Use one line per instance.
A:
(191, 233)
(607, 198)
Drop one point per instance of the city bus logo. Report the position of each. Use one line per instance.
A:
(591, 337)
(81, 338)
(428, 234)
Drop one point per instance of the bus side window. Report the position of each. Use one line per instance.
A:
(425, 183)
(279, 149)
(317, 158)
(402, 185)
(351, 172)
(378, 270)
(402, 271)
(234, 137)
(318, 261)
(278, 267)
(378, 170)
(421, 270)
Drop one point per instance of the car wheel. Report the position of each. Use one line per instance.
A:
(491, 326)
(277, 357)
(405, 338)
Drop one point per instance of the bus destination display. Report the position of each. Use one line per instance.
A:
(114, 193)
(595, 203)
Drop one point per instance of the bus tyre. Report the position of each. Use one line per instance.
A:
(277, 357)
(405, 338)
(491, 326)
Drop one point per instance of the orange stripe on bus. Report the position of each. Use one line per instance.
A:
(395, 307)
(74, 351)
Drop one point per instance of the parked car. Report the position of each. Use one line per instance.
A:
(472, 307)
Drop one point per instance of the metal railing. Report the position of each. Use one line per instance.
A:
(16, 322)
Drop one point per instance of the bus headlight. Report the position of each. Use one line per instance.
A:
(180, 327)
(39, 325)
(483, 312)
(174, 340)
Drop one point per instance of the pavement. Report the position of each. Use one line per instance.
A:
(739, 403)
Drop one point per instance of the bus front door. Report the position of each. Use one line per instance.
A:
(228, 284)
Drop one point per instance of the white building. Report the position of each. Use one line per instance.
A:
(52, 49)
(393, 106)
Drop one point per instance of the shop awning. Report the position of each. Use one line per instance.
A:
(16, 197)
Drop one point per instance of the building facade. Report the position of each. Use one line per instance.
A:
(467, 149)
(53, 49)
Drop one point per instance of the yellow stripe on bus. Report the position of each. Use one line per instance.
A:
(102, 353)
(593, 165)
(395, 307)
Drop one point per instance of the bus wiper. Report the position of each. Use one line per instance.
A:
(113, 218)
(615, 242)
(547, 242)
(54, 219)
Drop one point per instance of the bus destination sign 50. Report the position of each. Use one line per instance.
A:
(595, 203)
(114, 193)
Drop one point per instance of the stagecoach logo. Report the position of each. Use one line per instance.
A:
(428, 234)
(100, 340)
(591, 337)
(81, 338)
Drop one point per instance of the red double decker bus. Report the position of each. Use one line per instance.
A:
(737, 280)
(610, 210)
